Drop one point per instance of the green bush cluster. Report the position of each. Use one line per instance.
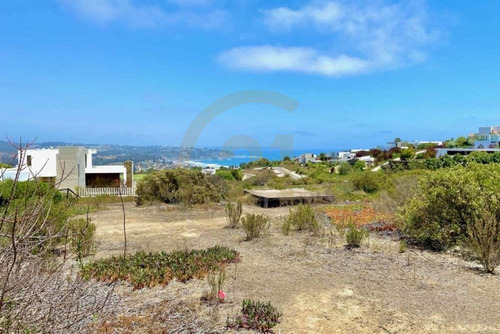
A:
(344, 168)
(184, 186)
(150, 269)
(256, 315)
(50, 213)
(445, 161)
(450, 199)
(27, 190)
(254, 225)
(302, 218)
(229, 174)
(262, 162)
(370, 182)
(355, 235)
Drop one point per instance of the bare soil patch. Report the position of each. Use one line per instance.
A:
(319, 286)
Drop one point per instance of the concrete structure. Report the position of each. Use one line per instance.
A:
(274, 198)
(395, 144)
(307, 157)
(342, 156)
(488, 137)
(70, 167)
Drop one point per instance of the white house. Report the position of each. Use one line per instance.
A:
(489, 137)
(369, 160)
(306, 157)
(343, 156)
(489, 141)
(70, 167)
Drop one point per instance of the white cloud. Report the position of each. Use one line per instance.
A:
(373, 36)
(143, 16)
(271, 58)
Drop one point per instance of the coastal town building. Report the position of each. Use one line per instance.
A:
(307, 157)
(342, 156)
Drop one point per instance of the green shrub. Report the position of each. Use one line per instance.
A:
(407, 154)
(256, 315)
(355, 235)
(82, 235)
(184, 186)
(233, 213)
(286, 226)
(369, 182)
(480, 157)
(27, 190)
(359, 165)
(447, 200)
(254, 225)
(150, 269)
(344, 168)
(403, 246)
(51, 217)
(262, 177)
(229, 174)
(302, 218)
(483, 238)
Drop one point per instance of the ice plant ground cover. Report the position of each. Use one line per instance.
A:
(150, 269)
(256, 315)
(358, 214)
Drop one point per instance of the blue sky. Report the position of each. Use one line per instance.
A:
(139, 72)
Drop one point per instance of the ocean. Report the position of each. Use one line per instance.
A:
(243, 156)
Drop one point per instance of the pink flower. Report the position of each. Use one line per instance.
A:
(222, 295)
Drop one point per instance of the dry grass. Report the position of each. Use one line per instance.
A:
(318, 285)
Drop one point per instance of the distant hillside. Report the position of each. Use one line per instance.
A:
(117, 154)
(7, 152)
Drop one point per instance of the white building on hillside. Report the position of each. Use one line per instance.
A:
(342, 156)
(307, 157)
(70, 167)
(489, 137)
(489, 142)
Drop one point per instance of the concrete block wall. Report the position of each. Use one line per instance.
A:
(71, 167)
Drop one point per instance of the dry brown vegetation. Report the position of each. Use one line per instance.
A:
(314, 281)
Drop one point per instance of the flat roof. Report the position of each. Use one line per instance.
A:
(285, 193)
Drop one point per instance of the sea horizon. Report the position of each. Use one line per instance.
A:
(270, 153)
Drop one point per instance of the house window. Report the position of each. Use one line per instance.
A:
(28, 160)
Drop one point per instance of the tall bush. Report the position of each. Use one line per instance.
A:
(180, 186)
(483, 236)
(254, 225)
(447, 200)
(302, 218)
(233, 213)
(370, 182)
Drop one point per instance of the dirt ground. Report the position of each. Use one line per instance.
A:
(318, 285)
